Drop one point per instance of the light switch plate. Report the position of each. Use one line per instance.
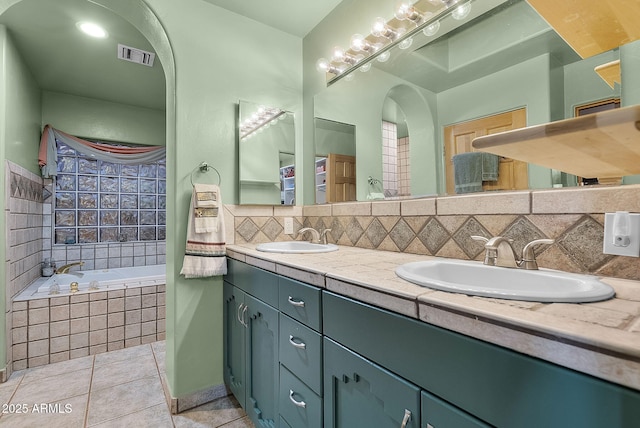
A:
(633, 249)
(288, 225)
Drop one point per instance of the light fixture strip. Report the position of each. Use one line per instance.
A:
(250, 127)
(448, 7)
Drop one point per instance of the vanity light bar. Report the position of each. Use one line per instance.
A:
(262, 118)
(409, 19)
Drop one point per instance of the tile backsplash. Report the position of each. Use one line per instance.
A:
(443, 226)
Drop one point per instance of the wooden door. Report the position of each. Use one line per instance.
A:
(341, 178)
(512, 174)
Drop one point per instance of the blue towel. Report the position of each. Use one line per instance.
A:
(472, 168)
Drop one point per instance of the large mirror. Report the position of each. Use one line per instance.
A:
(266, 154)
(335, 161)
(499, 68)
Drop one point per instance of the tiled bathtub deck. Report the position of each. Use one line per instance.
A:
(114, 389)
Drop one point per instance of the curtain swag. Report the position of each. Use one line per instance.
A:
(48, 155)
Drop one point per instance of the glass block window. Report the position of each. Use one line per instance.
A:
(99, 201)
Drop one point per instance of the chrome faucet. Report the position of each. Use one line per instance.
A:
(315, 235)
(65, 268)
(323, 235)
(499, 252)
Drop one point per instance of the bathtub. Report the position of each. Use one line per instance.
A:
(128, 308)
(97, 280)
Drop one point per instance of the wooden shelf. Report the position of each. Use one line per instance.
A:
(591, 27)
(605, 144)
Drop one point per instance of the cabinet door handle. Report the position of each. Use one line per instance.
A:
(244, 316)
(238, 313)
(299, 345)
(298, 303)
(296, 402)
(406, 419)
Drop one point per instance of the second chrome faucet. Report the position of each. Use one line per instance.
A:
(500, 252)
(316, 237)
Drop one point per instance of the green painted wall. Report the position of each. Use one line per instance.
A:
(218, 58)
(103, 120)
(19, 128)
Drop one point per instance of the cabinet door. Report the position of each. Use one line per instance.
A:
(359, 393)
(262, 363)
(440, 414)
(234, 341)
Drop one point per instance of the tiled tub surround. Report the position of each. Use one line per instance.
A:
(442, 226)
(601, 339)
(23, 229)
(48, 330)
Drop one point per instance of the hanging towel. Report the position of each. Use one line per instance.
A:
(207, 208)
(471, 168)
(205, 253)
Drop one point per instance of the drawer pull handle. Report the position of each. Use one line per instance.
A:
(299, 345)
(406, 419)
(296, 402)
(298, 303)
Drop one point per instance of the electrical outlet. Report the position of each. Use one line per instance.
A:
(288, 225)
(633, 249)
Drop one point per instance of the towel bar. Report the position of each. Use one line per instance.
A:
(204, 168)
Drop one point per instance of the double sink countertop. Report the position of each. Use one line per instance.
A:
(601, 339)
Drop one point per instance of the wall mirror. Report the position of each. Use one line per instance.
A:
(267, 170)
(500, 59)
(335, 161)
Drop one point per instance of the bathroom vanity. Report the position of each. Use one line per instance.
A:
(313, 341)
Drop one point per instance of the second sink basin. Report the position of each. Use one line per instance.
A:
(477, 279)
(296, 247)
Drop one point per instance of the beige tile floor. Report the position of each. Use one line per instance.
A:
(115, 389)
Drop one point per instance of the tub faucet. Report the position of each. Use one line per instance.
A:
(65, 268)
(315, 235)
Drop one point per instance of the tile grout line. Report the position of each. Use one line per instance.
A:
(155, 358)
(86, 412)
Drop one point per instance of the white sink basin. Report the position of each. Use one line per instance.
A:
(477, 279)
(296, 247)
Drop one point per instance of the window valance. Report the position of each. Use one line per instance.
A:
(48, 154)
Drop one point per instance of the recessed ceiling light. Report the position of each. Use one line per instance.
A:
(92, 29)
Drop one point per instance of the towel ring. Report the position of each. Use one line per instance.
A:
(204, 168)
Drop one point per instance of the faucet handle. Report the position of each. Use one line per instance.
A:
(480, 238)
(529, 256)
(323, 235)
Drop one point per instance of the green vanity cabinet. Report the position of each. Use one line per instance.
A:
(359, 393)
(437, 413)
(468, 378)
(251, 362)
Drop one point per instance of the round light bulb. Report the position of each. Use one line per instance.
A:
(431, 29)
(338, 54)
(323, 65)
(406, 43)
(358, 43)
(461, 12)
(402, 10)
(384, 56)
(365, 67)
(379, 27)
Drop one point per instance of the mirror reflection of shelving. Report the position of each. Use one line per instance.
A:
(287, 185)
(321, 180)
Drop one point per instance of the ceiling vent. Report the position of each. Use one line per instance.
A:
(138, 56)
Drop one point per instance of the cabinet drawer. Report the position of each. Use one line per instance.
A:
(299, 405)
(301, 302)
(301, 352)
(257, 282)
(437, 413)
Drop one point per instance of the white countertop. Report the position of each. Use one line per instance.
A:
(601, 339)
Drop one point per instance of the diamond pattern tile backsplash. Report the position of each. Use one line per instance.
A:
(577, 248)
